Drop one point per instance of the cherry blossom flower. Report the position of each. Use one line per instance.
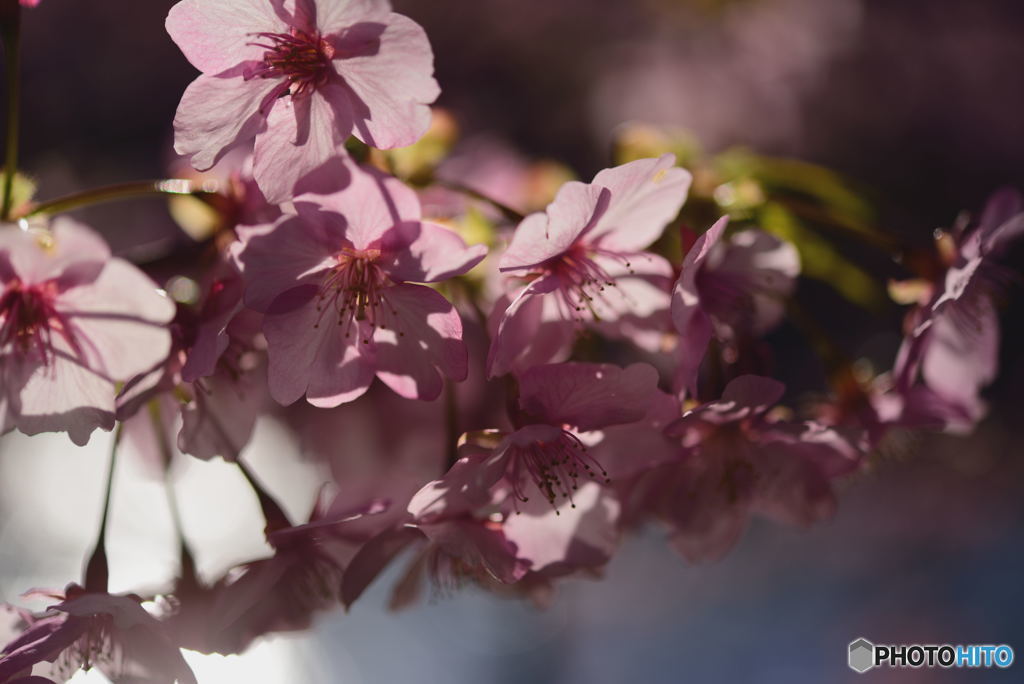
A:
(212, 387)
(73, 321)
(335, 282)
(584, 260)
(546, 457)
(299, 76)
(953, 339)
(738, 461)
(87, 629)
(728, 288)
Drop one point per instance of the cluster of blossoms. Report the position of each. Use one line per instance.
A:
(579, 374)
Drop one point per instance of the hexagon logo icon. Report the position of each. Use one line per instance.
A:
(862, 655)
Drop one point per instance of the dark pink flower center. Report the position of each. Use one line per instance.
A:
(555, 466)
(302, 59)
(356, 291)
(29, 319)
(582, 281)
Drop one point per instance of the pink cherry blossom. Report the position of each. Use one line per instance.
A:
(95, 629)
(738, 461)
(73, 322)
(728, 288)
(30, 3)
(299, 76)
(335, 281)
(584, 260)
(212, 387)
(953, 339)
(546, 457)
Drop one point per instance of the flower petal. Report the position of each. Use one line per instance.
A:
(589, 396)
(217, 113)
(426, 252)
(391, 82)
(645, 195)
(216, 36)
(425, 337)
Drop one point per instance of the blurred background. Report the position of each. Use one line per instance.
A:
(919, 104)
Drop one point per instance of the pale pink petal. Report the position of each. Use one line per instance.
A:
(589, 396)
(542, 236)
(583, 533)
(64, 397)
(466, 486)
(636, 307)
(424, 336)
(294, 251)
(645, 195)
(217, 113)
(120, 321)
(372, 203)
(302, 134)
(532, 331)
(689, 319)
(309, 354)
(216, 36)
(627, 450)
(746, 281)
(333, 16)
(426, 252)
(391, 82)
(961, 355)
(70, 253)
(340, 373)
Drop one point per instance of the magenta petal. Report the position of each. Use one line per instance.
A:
(425, 337)
(589, 396)
(645, 195)
(426, 252)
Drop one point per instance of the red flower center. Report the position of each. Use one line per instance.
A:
(302, 59)
(355, 289)
(29, 320)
